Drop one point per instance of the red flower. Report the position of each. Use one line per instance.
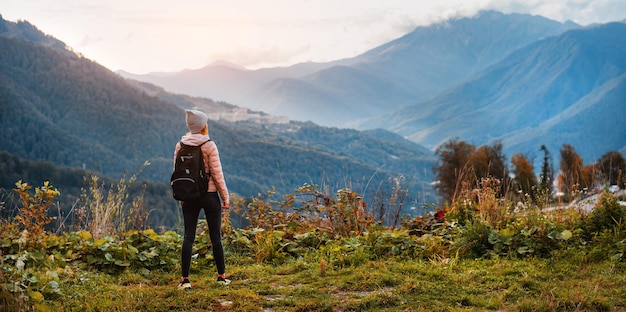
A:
(439, 215)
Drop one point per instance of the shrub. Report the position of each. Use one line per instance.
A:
(608, 214)
(473, 240)
(110, 213)
(33, 213)
(343, 215)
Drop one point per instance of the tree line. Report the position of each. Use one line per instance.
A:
(464, 166)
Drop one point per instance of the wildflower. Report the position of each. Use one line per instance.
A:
(440, 215)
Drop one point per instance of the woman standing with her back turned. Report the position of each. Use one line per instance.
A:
(210, 202)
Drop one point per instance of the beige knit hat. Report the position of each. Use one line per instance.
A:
(196, 120)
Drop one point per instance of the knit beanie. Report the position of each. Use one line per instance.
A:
(196, 120)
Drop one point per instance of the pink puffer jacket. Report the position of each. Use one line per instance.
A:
(212, 163)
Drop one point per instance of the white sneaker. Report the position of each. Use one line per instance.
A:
(223, 281)
(184, 285)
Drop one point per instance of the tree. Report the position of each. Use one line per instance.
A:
(612, 169)
(489, 161)
(547, 172)
(524, 179)
(571, 166)
(590, 175)
(454, 166)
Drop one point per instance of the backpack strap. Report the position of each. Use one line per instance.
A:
(183, 144)
(208, 172)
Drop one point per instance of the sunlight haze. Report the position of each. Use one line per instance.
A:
(155, 36)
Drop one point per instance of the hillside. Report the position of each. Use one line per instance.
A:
(69, 111)
(28, 32)
(563, 89)
(384, 151)
(215, 110)
(591, 124)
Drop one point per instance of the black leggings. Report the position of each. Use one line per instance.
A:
(213, 212)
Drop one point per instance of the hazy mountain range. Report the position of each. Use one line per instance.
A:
(524, 80)
(59, 107)
(563, 89)
(401, 72)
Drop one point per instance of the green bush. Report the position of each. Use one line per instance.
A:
(473, 240)
(608, 214)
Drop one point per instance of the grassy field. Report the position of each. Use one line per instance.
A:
(386, 285)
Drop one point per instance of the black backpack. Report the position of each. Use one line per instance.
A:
(189, 181)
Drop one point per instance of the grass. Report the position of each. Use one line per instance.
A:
(390, 285)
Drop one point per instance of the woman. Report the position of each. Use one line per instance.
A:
(210, 202)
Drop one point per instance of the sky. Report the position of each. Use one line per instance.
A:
(143, 36)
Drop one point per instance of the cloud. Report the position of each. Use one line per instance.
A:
(88, 40)
(583, 12)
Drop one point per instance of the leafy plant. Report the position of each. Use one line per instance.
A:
(608, 214)
(473, 240)
(33, 213)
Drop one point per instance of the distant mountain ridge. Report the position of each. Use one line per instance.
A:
(411, 68)
(222, 81)
(572, 81)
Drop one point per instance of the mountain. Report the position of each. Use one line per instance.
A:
(61, 108)
(214, 109)
(409, 69)
(28, 32)
(222, 81)
(68, 110)
(562, 89)
(591, 124)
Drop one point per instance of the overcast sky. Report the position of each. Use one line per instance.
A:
(141, 36)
